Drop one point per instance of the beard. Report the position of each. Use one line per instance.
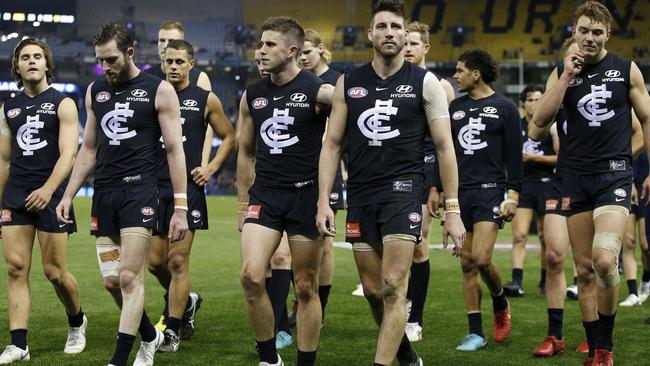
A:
(118, 78)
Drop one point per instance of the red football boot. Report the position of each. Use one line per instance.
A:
(502, 325)
(603, 357)
(584, 347)
(551, 347)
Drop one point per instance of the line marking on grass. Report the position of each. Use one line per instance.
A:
(501, 247)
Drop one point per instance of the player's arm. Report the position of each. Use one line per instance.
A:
(218, 122)
(68, 140)
(640, 100)
(547, 106)
(513, 154)
(434, 101)
(330, 156)
(204, 83)
(449, 90)
(324, 98)
(245, 157)
(637, 135)
(537, 133)
(169, 115)
(5, 151)
(555, 138)
(84, 164)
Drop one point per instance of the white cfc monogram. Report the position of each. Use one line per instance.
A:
(25, 136)
(184, 138)
(589, 107)
(272, 131)
(371, 122)
(112, 124)
(467, 136)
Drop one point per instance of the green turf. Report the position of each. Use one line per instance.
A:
(223, 336)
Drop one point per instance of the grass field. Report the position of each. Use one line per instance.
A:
(223, 336)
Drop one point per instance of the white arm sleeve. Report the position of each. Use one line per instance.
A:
(434, 98)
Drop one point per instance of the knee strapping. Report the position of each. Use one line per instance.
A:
(611, 209)
(139, 232)
(612, 243)
(108, 256)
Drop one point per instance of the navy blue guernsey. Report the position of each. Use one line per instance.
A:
(386, 123)
(288, 131)
(330, 76)
(155, 70)
(34, 125)
(599, 117)
(640, 168)
(487, 139)
(536, 171)
(128, 132)
(193, 101)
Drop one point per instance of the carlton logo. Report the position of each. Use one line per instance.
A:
(190, 103)
(298, 97)
(458, 115)
(196, 214)
(13, 113)
(47, 106)
(102, 97)
(612, 73)
(260, 103)
(404, 89)
(139, 93)
(575, 81)
(147, 211)
(357, 92)
(490, 110)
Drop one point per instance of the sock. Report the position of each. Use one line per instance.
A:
(267, 351)
(420, 279)
(75, 321)
(19, 338)
(499, 302)
(146, 330)
(377, 364)
(646, 276)
(605, 330)
(555, 318)
(575, 281)
(405, 353)
(475, 323)
(278, 292)
(306, 358)
(518, 276)
(324, 294)
(284, 322)
(591, 331)
(166, 308)
(409, 291)
(631, 287)
(174, 324)
(123, 347)
(542, 279)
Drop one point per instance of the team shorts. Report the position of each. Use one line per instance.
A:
(554, 197)
(637, 209)
(533, 194)
(290, 210)
(15, 213)
(131, 207)
(197, 213)
(369, 224)
(587, 192)
(431, 176)
(480, 204)
(336, 197)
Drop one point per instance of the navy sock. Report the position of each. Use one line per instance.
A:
(278, 292)
(174, 324)
(76, 320)
(267, 351)
(475, 324)
(499, 302)
(420, 279)
(405, 353)
(575, 281)
(646, 276)
(631, 287)
(166, 308)
(122, 349)
(19, 338)
(146, 330)
(324, 294)
(605, 331)
(591, 331)
(306, 358)
(555, 319)
(542, 278)
(518, 276)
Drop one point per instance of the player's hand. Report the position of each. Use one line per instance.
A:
(325, 220)
(63, 210)
(573, 63)
(453, 227)
(433, 202)
(634, 196)
(201, 175)
(526, 157)
(645, 189)
(38, 200)
(178, 225)
(507, 209)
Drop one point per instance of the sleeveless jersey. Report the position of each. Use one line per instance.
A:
(288, 131)
(127, 132)
(34, 125)
(487, 140)
(599, 120)
(330, 76)
(193, 101)
(386, 123)
(536, 171)
(157, 71)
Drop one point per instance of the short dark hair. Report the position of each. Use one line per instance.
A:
(595, 11)
(396, 7)
(47, 53)
(481, 60)
(289, 27)
(116, 31)
(179, 44)
(531, 89)
(171, 25)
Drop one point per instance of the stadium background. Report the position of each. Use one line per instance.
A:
(522, 35)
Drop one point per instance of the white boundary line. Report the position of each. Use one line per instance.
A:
(532, 247)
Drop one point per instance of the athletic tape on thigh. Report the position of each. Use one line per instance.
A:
(136, 231)
(399, 237)
(362, 247)
(299, 237)
(611, 209)
(612, 243)
(108, 256)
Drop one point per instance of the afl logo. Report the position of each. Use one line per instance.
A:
(415, 217)
(190, 103)
(458, 115)
(404, 89)
(147, 211)
(298, 97)
(47, 106)
(260, 103)
(490, 110)
(357, 92)
(575, 81)
(139, 93)
(13, 113)
(102, 97)
(196, 214)
(612, 73)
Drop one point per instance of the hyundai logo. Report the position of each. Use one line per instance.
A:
(612, 73)
(139, 93)
(190, 103)
(47, 106)
(404, 88)
(490, 110)
(298, 97)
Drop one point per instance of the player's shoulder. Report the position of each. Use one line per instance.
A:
(505, 102)
(460, 102)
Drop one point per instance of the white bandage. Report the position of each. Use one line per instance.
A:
(108, 256)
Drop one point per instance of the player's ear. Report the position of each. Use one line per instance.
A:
(130, 51)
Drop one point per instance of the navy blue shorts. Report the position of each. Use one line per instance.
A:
(132, 207)
(197, 213)
(15, 213)
(369, 224)
(587, 192)
(480, 204)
